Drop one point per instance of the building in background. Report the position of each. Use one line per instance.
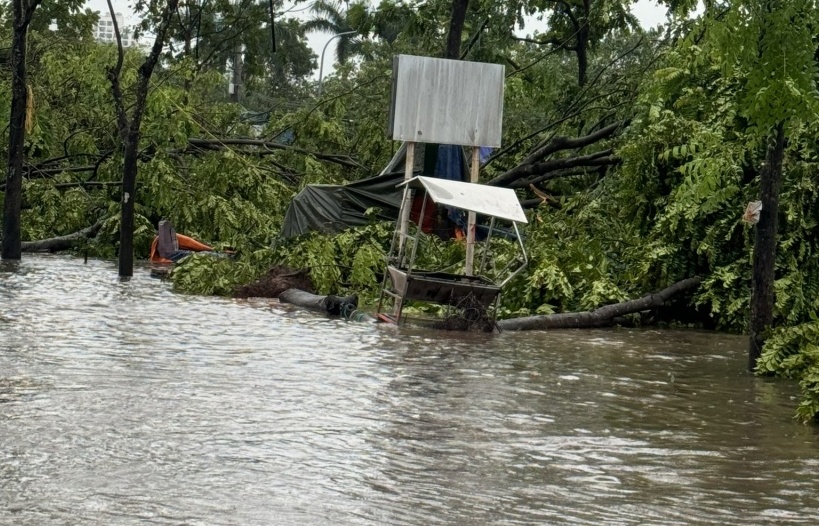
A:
(104, 32)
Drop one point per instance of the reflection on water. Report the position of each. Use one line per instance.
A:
(123, 403)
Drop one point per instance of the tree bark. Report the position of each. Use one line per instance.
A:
(762, 281)
(12, 204)
(55, 244)
(456, 29)
(582, 49)
(599, 317)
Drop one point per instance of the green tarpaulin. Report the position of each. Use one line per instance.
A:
(332, 208)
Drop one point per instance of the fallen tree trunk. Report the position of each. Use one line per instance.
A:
(55, 244)
(599, 317)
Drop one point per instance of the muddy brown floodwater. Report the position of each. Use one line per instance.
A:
(123, 403)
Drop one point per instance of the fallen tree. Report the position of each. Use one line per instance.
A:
(55, 244)
(600, 317)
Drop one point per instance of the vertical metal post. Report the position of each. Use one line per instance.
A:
(236, 80)
(470, 224)
(482, 268)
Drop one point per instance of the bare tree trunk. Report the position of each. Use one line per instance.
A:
(762, 284)
(599, 317)
(456, 29)
(129, 128)
(582, 52)
(17, 130)
(582, 49)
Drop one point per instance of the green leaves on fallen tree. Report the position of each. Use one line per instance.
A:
(350, 262)
(793, 352)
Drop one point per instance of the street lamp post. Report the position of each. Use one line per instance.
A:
(321, 66)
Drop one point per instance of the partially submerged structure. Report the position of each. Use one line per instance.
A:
(439, 108)
(472, 297)
(451, 102)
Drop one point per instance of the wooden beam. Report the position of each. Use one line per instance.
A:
(471, 219)
(409, 168)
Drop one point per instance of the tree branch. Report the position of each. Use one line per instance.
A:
(55, 244)
(567, 143)
(546, 177)
(29, 13)
(217, 144)
(148, 66)
(530, 166)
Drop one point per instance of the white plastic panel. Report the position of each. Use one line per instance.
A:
(478, 198)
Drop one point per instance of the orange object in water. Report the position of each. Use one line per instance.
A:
(185, 243)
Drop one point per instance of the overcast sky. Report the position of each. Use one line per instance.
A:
(647, 11)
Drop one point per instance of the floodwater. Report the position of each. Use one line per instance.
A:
(124, 403)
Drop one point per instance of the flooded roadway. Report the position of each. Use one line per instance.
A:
(124, 403)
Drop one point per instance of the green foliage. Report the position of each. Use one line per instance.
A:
(770, 46)
(350, 262)
(793, 352)
(217, 275)
(694, 154)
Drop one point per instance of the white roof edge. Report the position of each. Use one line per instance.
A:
(482, 199)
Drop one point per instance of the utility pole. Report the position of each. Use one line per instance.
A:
(236, 81)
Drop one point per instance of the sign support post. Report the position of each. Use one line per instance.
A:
(409, 167)
(471, 219)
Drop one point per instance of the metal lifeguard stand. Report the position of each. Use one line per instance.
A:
(447, 102)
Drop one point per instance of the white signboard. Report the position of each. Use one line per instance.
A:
(446, 101)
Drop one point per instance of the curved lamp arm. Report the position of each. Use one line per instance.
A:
(321, 66)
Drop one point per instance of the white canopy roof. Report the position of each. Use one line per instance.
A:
(479, 198)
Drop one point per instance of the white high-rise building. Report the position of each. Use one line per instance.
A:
(104, 32)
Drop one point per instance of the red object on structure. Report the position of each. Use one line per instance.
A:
(429, 213)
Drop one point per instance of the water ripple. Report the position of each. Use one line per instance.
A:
(124, 403)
